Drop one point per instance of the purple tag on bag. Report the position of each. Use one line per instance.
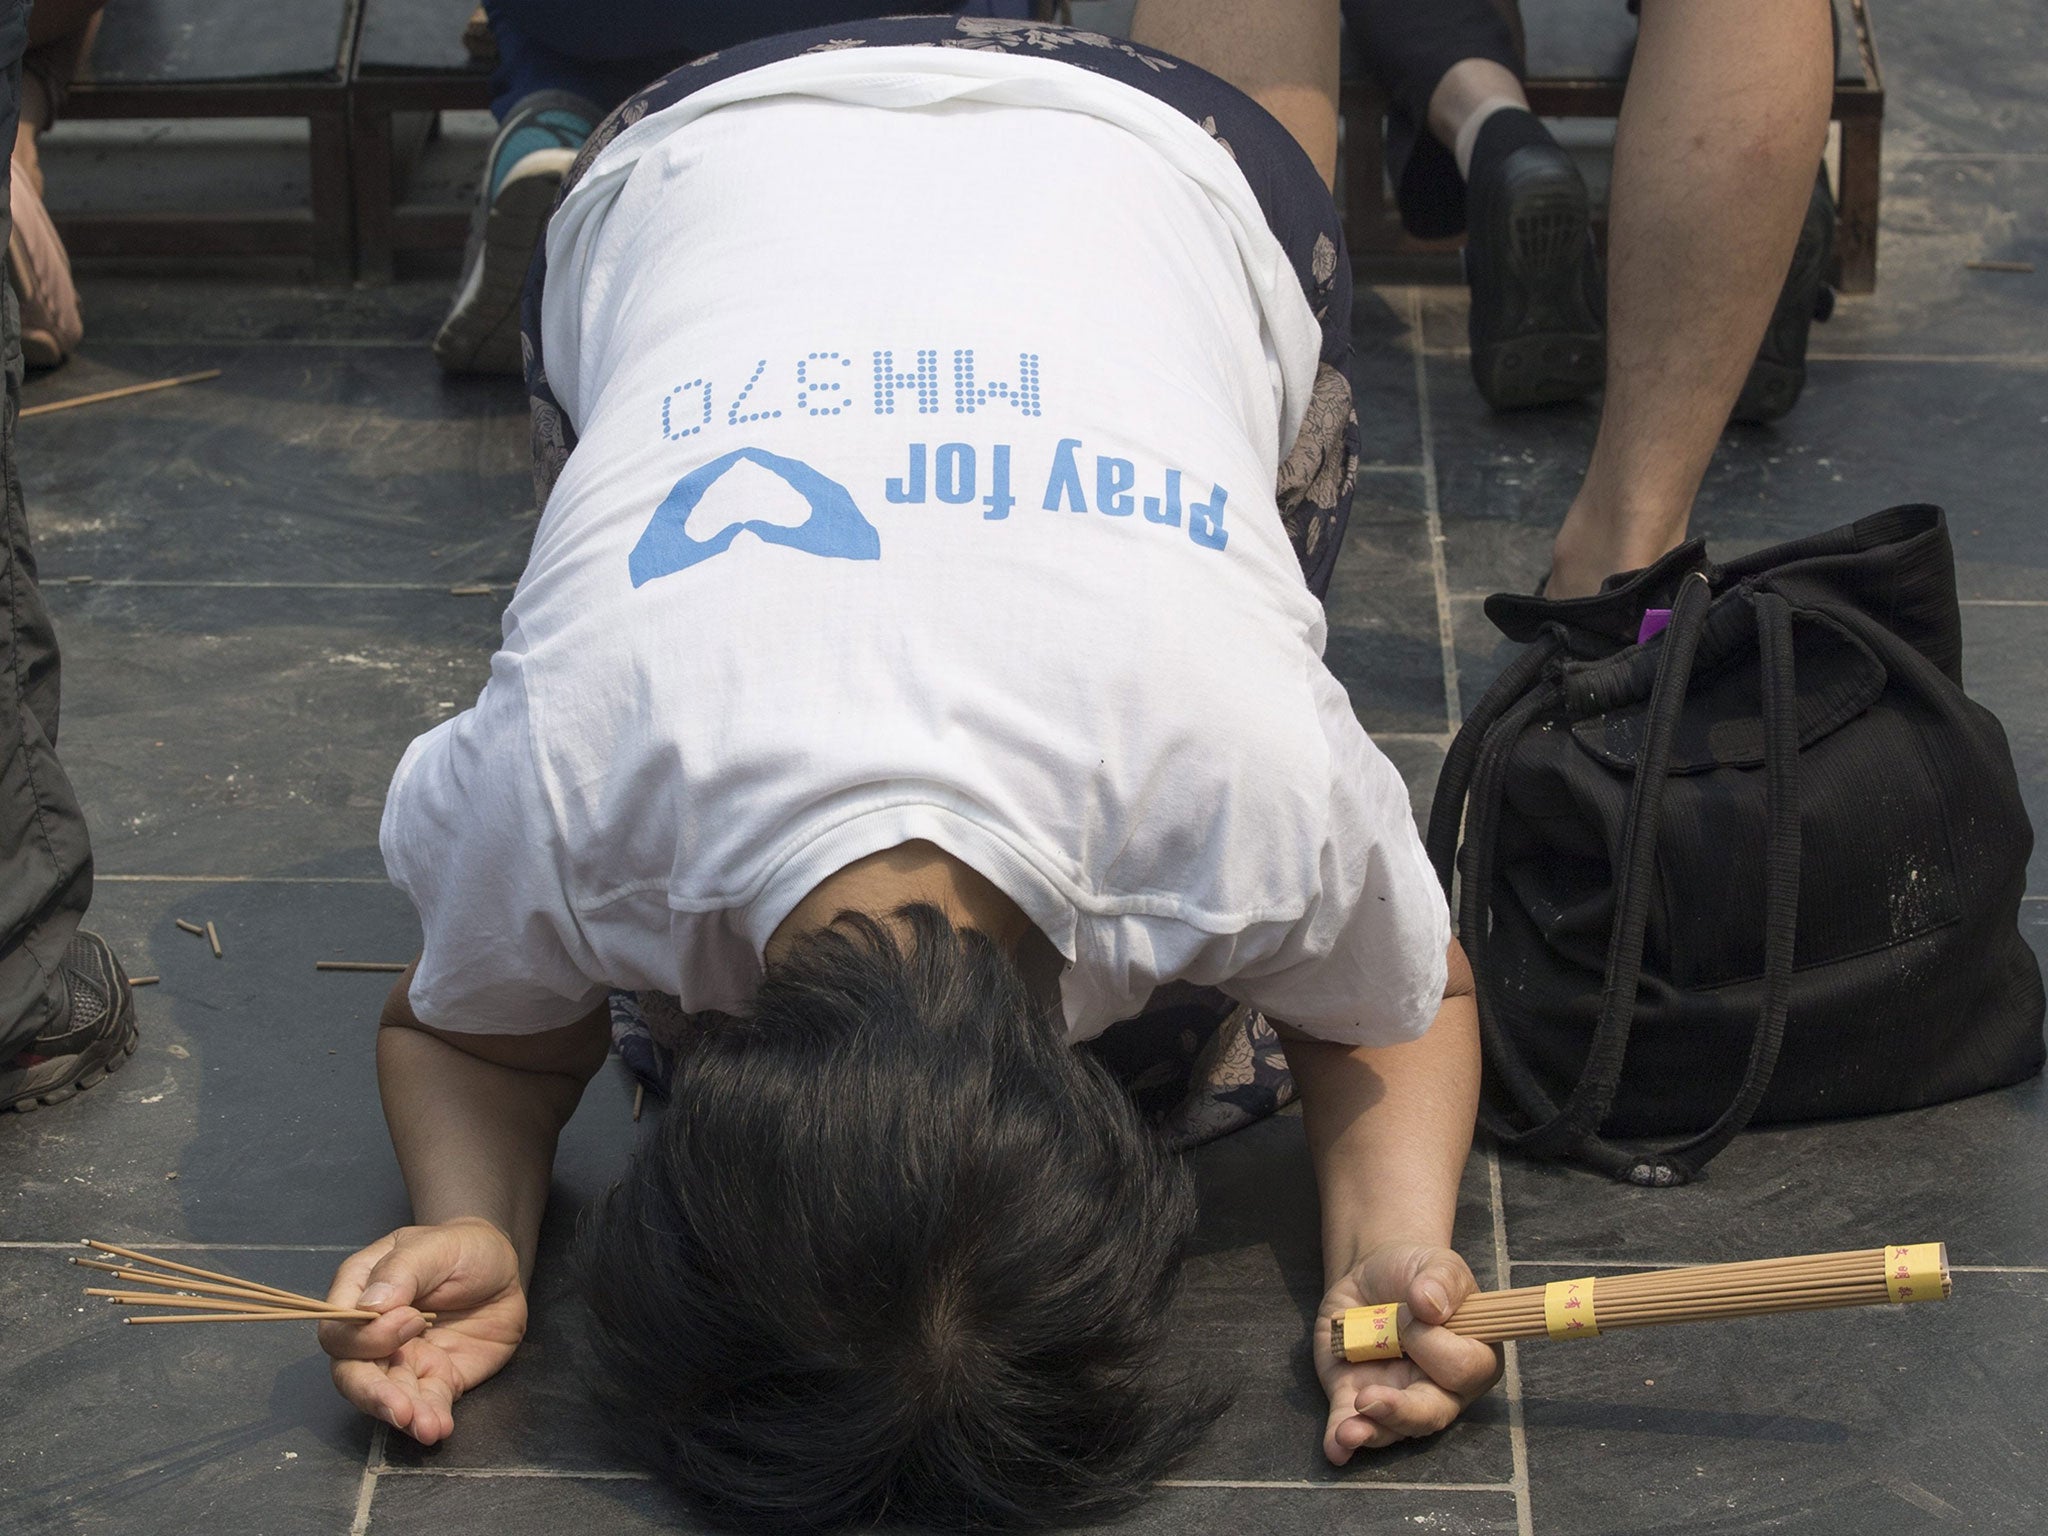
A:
(1655, 622)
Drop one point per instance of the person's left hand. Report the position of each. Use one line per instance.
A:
(1378, 1402)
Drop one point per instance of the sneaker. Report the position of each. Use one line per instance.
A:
(1537, 323)
(533, 151)
(1779, 372)
(91, 1035)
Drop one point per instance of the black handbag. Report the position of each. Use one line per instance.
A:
(1765, 865)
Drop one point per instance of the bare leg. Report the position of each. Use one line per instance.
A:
(1467, 86)
(1281, 53)
(1722, 126)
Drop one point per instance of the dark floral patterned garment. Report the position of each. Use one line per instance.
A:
(1197, 1063)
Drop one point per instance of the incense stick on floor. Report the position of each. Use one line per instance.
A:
(119, 394)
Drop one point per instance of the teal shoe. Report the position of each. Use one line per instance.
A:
(535, 147)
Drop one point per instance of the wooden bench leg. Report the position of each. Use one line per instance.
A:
(333, 245)
(374, 174)
(1371, 223)
(1856, 202)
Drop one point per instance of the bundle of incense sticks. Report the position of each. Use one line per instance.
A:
(193, 1295)
(1581, 1308)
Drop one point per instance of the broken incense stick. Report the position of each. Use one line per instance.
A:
(639, 1098)
(213, 938)
(359, 965)
(1974, 266)
(1582, 1307)
(192, 928)
(470, 589)
(144, 981)
(120, 394)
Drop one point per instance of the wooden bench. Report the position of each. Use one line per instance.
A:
(410, 65)
(227, 58)
(411, 60)
(1578, 54)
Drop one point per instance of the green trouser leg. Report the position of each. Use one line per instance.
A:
(45, 859)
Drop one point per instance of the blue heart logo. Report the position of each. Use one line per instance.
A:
(835, 529)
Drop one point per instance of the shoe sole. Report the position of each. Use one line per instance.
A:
(1556, 347)
(104, 1057)
(481, 333)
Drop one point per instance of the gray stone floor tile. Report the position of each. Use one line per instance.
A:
(539, 1411)
(1382, 373)
(2003, 650)
(525, 1506)
(357, 464)
(1520, 469)
(206, 1427)
(515, 1506)
(1939, 214)
(248, 1113)
(1383, 643)
(1483, 651)
(1419, 759)
(1972, 1174)
(141, 304)
(1254, 1281)
(1322, 1511)
(1910, 1419)
(254, 731)
(1865, 436)
(1391, 494)
(1963, 76)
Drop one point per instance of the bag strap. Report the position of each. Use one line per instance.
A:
(1503, 1059)
(1447, 806)
(1677, 1164)
(1572, 1128)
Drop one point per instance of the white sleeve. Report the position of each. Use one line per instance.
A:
(468, 835)
(1366, 965)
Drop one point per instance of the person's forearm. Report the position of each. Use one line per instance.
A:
(1389, 1129)
(474, 1139)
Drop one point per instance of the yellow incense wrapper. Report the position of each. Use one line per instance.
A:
(1916, 1272)
(1568, 1309)
(1372, 1333)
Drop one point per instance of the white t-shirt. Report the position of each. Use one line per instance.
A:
(929, 406)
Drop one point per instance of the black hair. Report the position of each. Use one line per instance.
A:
(896, 1251)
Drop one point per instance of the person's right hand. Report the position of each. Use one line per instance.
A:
(403, 1369)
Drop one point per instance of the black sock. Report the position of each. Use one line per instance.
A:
(1505, 131)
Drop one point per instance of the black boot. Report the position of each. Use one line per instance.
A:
(1538, 325)
(1779, 372)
